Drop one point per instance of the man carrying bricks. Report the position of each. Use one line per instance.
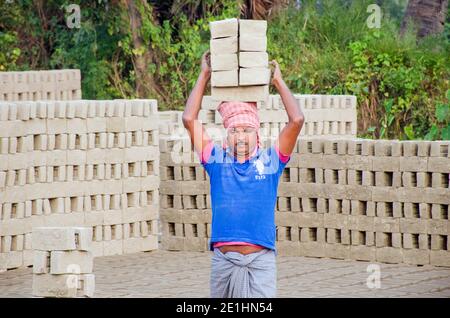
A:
(244, 181)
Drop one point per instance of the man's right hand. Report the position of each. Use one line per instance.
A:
(197, 132)
(206, 64)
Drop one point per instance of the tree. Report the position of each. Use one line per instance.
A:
(146, 85)
(261, 9)
(427, 15)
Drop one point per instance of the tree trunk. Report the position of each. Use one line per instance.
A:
(261, 9)
(145, 83)
(427, 15)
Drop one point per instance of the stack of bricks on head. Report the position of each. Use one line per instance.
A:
(63, 262)
(239, 61)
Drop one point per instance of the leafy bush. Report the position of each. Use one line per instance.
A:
(398, 81)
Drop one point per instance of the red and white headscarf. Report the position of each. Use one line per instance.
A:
(235, 114)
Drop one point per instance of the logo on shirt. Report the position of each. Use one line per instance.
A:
(259, 165)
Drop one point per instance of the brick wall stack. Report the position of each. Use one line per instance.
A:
(340, 196)
(79, 163)
(327, 116)
(40, 85)
(185, 210)
(373, 200)
(130, 174)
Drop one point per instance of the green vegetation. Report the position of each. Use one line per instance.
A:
(401, 83)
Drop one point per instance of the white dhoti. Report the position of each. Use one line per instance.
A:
(234, 275)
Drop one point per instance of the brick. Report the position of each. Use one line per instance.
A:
(224, 62)
(413, 164)
(134, 245)
(98, 233)
(423, 148)
(389, 255)
(410, 241)
(113, 247)
(438, 242)
(252, 43)
(41, 262)
(439, 211)
(363, 253)
(87, 286)
(208, 103)
(383, 239)
(224, 45)
(58, 238)
(416, 257)
(440, 258)
(397, 209)
(345, 237)
(409, 148)
(12, 114)
(254, 76)
(48, 239)
(253, 59)
(252, 27)
(17, 243)
(27, 258)
(224, 78)
(10, 260)
(358, 237)
(250, 93)
(4, 145)
(397, 240)
(440, 149)
(223, 28)
(383, 148)
(440, 180)
(60, 262)
(348, 101)
(64, 286)
(4, 112)
(172, 243)
(295, 204)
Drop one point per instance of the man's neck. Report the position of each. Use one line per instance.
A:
(243, 158)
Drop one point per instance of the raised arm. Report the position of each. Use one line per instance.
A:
(288, 135)
(199, 137)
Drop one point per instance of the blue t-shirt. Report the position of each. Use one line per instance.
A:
(243, 196)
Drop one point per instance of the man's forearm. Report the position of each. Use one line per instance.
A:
(194, 101)
(291, 105)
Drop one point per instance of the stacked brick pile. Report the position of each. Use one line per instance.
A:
(79, 163)
(372, 200)
(63, 263)
(367, 200)
(326, 116)
(40, 85)
(98, 164)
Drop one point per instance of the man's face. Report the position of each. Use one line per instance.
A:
(242, 140)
